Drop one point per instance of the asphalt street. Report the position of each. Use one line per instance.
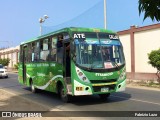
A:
(130, 100)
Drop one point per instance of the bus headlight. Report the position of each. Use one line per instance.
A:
(81, 75)
(84, 78)
(122, 75)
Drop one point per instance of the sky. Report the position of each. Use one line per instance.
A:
(19, 19)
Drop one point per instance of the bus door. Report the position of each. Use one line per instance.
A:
(24, 50)
(67, 63)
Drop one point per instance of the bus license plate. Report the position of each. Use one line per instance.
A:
(104, 89)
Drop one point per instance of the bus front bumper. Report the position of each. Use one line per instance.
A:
(81, 89)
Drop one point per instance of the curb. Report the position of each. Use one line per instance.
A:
(136, 86)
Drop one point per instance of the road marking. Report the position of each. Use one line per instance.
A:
(136, 100)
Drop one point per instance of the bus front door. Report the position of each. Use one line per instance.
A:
(24, 63)
(67, 63)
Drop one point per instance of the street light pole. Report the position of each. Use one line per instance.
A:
(105, 15)
(41, 20)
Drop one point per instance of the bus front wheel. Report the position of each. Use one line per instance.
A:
(33, 89)
(65, 98)
(104, 96)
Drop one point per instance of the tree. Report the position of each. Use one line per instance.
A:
(16, 66)
(4, 61)
(151, 8)
(154, 60)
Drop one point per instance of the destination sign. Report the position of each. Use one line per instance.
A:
(113, 37)
(79, 36)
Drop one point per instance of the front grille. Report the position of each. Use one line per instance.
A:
(1, 71)
(103, 81)
(98, 88)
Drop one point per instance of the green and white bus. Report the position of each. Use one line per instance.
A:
(73, 62)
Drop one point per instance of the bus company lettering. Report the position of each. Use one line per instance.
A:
(52, 64)
(40, 74)
(104, 74)
(80, 36)
(43, 65)
(113, 36)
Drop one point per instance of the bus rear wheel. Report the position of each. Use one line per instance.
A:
(33, 89)
(63, 95)
(104, 96)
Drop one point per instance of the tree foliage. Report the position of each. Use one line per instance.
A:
(151, 8)
(5, 61)
(16, 66)
(154, 58)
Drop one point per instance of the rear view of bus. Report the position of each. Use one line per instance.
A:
(98, 63)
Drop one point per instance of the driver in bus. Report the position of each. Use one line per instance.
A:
(105, 53)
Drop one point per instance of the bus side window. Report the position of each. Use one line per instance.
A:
(35, 51)
(53, 49)
(44, 50)
(33, 48)
(29, 53)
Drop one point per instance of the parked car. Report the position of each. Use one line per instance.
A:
(3, 72)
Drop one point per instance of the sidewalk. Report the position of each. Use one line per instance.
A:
(141, 84)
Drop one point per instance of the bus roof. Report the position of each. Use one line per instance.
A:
(69, 29)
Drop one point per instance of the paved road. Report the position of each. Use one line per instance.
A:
(130, 100)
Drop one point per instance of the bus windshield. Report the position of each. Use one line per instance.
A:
(98, 51)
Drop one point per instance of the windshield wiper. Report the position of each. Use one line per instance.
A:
(115, 64)
(91, 67)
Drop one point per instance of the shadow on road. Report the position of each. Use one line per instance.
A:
(82, 100)
(95, 99)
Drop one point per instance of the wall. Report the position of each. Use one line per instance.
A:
(127, 52)
(137, 43)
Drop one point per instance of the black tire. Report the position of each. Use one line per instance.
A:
(104, 96)
(6, 76)
(64, 96)
(33, 89)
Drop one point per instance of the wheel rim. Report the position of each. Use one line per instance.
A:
(63, 95)
(32, 87)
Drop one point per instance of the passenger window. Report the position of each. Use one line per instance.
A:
(44, 50)
(53, 49)
(35, 51)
